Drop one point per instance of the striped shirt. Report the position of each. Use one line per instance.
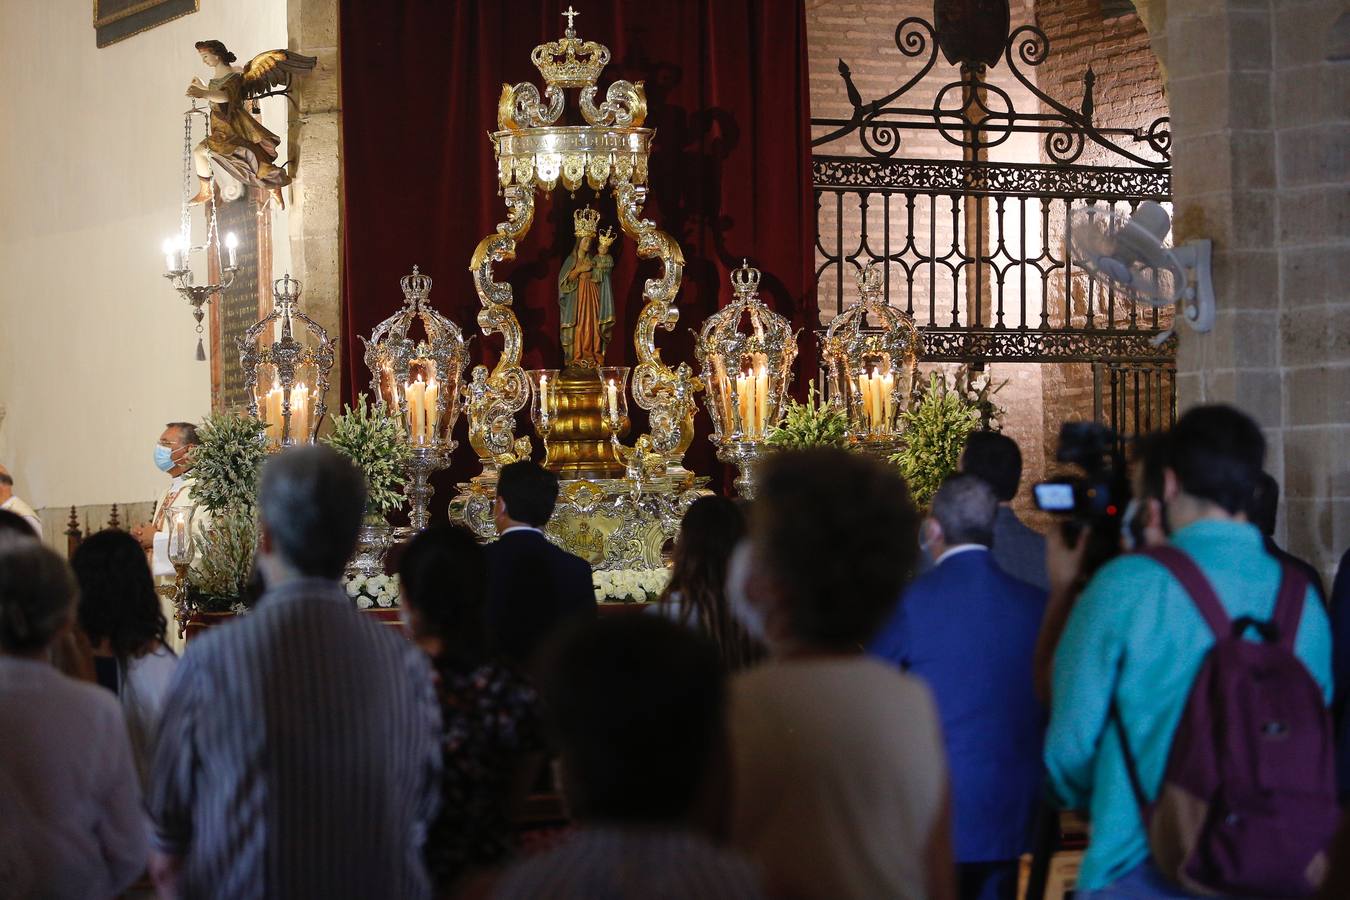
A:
(299, 755)
(641, 863)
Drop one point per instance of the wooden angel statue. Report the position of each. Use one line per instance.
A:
(235, 140)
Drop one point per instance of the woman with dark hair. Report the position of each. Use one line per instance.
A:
(696, 595)
(492, 739)
(119, 612)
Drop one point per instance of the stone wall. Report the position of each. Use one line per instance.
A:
(1261, 119)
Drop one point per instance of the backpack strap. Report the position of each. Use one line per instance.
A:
(1184, 570)
(1289, 605)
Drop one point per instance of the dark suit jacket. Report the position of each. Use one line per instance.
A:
(1019, 550)
(968, 629)
(533, 588)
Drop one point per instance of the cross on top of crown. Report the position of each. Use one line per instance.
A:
(570, 15)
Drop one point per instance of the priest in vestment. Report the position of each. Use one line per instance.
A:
(10, 502)
(171, 458)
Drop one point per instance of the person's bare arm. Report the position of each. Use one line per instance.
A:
(939, 869)
(1063, 562)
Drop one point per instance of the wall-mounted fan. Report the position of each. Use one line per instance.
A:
(1127, 253)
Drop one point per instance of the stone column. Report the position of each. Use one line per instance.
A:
(1261, 156)
(316, 195)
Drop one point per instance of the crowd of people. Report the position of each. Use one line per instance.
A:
(838, 696)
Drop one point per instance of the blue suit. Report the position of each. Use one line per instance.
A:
(969, 629)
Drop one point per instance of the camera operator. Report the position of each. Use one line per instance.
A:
(1134, 640)
(1089, 532)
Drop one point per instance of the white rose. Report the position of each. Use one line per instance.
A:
(364, 603)
(352, 588)
(384, 601)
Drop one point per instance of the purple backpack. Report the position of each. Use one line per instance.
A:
(1247, 806)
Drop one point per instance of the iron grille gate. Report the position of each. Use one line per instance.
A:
(973, 248)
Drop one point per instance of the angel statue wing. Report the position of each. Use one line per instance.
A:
(269, 73)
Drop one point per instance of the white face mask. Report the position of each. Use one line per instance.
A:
(750, 617)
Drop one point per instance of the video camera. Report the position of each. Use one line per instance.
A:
(1099, 496)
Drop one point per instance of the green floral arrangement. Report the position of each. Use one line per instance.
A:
(936, 425)
(373, 439)
(223, 561)
(810, 424)
(227, 462)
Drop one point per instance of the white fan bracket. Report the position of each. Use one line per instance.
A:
(1197, 302)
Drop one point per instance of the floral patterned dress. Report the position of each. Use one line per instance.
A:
(490, 718)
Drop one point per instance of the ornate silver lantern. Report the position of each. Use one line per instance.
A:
(422, 380)
(870, 353)
(746, 351)
(287, 379)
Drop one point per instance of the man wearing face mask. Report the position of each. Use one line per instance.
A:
(171, 458)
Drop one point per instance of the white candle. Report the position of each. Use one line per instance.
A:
(167, 247)
(876, 400)
(887, 402)
(231, 242)
(613, 393)
(743, 402)
(272, 413)
(761, 400)
(429, 401)
(543, 399)
(300, 413)
(415, 394)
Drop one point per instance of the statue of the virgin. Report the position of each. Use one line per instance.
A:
(584, 294)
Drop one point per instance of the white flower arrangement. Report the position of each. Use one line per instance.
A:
(629, 585)
(376, 590)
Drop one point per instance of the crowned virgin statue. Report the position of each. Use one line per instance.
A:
(584, 294)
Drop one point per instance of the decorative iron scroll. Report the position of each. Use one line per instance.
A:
(991, 179)
(975, 114)
(1039, 345)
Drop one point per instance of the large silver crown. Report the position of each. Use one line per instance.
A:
(745, 280)
(286, 290)
(416, 287)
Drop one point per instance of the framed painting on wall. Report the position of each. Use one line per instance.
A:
(117, 20)
(244, 302)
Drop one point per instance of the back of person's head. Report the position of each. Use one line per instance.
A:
(117, 593)
(443, 579)
(1264, 505)
(37, 591)
(529, 492)
(965, 507)
(837, 533)
(1217, 453)
(1148, 455)
(311, 502)
(636, 705)
(996, 459)
(709, 532)
(15, 524)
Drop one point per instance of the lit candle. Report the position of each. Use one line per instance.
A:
(887, 386)
(613, 393)
(300, 413)
(272, 416)
(865, 393)
(415, 393)
(744, 401)
(876, 400)
(231, 242)
(724, 393)
(761, 400)
(429, 401)
(167, 247)
(543, 398)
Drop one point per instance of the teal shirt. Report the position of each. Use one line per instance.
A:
(1135, 635)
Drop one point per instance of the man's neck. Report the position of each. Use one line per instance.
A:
(946, 551)
(178, 471)
(1184, 510)
(511, 524)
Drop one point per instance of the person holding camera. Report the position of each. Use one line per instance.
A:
(1143, 631)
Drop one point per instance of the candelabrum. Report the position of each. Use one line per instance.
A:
(182, 547)
(295, 365)
(870, 352)
(177, 249)
(422, 380)
(746, 351)
(544, 404)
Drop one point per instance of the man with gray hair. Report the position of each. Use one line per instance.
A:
(299, 753)
(969, 629)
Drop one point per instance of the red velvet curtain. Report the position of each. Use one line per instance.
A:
(730, 173)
